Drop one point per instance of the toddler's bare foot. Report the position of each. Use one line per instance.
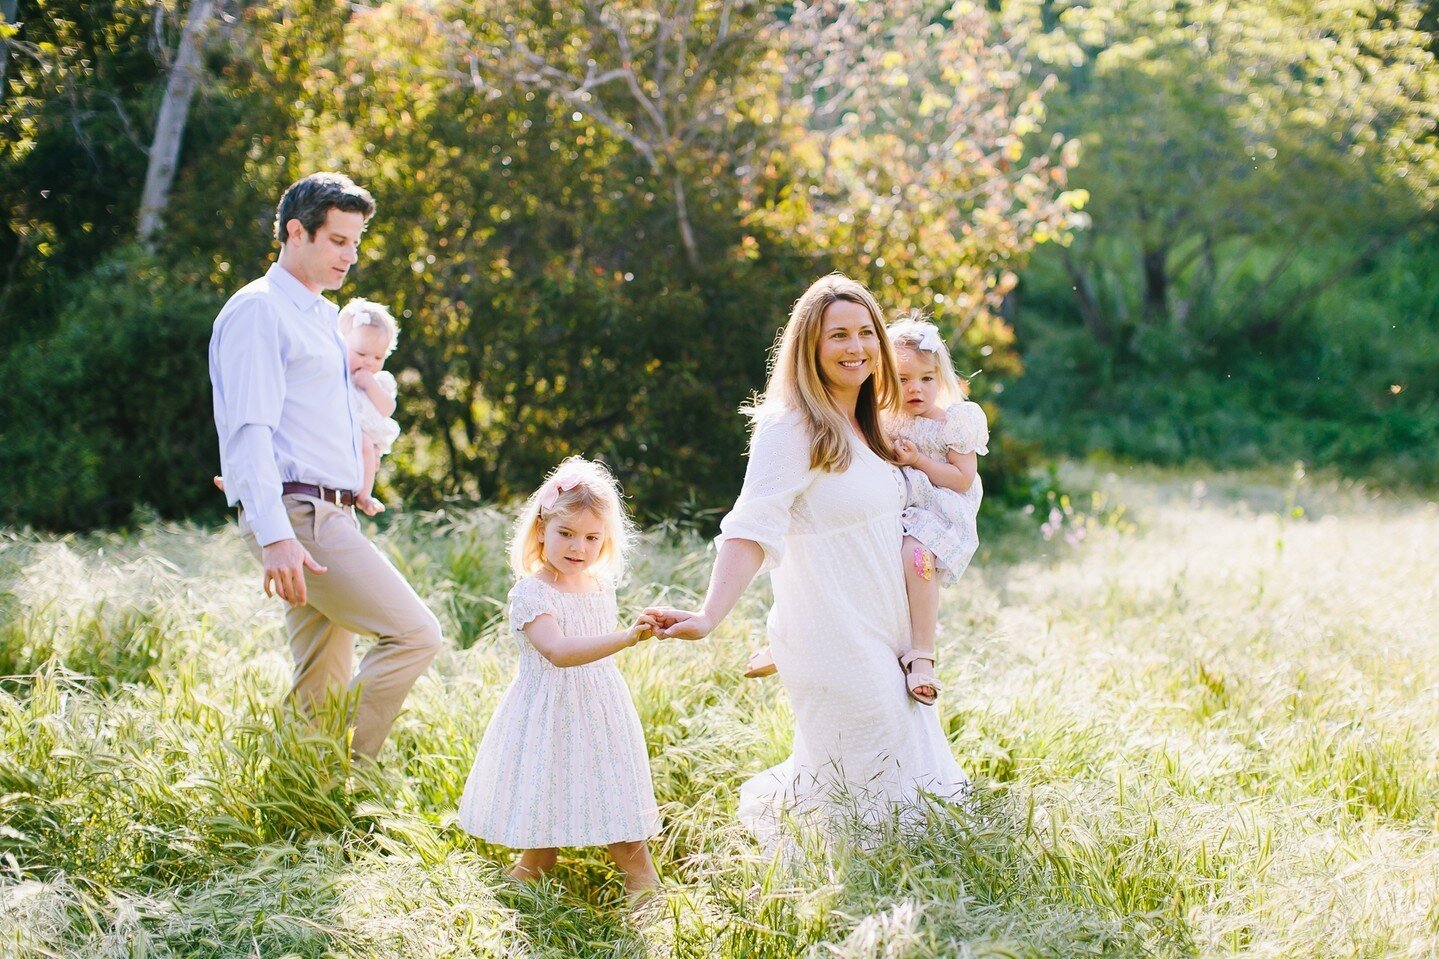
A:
(219, 482)
(761, 664)
(522, 873)
(641, 891)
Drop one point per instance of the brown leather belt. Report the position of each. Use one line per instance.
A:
(340, 497)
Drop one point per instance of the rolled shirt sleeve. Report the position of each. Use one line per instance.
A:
(778, 472)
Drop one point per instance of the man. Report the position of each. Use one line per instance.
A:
(290, 455)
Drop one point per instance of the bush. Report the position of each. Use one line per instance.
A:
(112, 410)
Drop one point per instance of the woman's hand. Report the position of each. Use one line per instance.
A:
(678, 623)
(907, 452)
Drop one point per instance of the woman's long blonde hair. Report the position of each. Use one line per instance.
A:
(795, 381)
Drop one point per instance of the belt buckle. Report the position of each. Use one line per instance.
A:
(332, 495)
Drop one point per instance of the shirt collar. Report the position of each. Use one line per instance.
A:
(298, 294)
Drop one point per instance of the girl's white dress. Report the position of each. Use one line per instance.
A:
(944, 520)
(839, 622)
(563, 762)
(380, 430)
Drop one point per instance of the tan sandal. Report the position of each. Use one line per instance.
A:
(760, 665)
(912, 683)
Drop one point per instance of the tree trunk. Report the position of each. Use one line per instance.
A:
(170, 125)
(7, 9)
(1154, 262)
(1090, 309)
(687, 234)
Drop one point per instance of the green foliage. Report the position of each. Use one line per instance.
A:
(112, 409)
(533, 254)
(1347, 383)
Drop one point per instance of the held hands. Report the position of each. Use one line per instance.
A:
(671, 623)
(285, 562)
(907, 452)
(639, 632)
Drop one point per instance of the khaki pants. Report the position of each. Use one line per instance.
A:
(361, 592)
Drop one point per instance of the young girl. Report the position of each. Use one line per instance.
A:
(370, 333)
(563, 762)
(940, 433)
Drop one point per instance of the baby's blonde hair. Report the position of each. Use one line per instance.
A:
(576, 484)
(362, 312)
(912, 329)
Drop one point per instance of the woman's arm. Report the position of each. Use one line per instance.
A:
(544, 634)
(735, 568)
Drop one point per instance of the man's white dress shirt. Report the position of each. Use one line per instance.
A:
(281, 384)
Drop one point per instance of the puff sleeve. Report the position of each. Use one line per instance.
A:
(966, 429)
(529, 599)
(777, 473)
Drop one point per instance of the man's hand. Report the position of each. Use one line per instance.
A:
(369, 505)
(907, 452)
(285, 562)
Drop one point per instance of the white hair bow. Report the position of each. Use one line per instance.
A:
(929, 340)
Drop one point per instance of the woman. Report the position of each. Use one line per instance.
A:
(820, 511)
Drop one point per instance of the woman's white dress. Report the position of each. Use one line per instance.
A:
(563, 761)
(839, 622)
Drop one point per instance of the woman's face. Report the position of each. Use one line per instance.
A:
(848, 348)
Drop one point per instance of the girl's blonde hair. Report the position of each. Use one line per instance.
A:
(575, 485)
(796, 383)
(362, 312)
(913, 331)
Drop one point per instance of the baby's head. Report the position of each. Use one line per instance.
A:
(370, 333)
(926, 372)
(573, 523)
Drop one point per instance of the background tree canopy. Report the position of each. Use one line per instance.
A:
(1204, 229)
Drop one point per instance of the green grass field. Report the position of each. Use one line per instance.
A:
(1211, 728)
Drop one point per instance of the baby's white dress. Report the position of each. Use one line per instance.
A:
(563, 762)
(944, 520)
(380, 430)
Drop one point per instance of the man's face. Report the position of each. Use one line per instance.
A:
(321, 263)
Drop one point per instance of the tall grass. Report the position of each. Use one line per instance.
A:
(1208, 732)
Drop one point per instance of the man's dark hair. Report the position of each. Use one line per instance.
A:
(310, 200)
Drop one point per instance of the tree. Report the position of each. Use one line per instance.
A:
(910, 155)
(1223, 142)
(184, 76)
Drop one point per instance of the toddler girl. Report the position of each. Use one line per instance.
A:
(563, 762)
(370, 333)
(941, 434)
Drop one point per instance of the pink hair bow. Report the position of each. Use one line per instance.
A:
(550, 495)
